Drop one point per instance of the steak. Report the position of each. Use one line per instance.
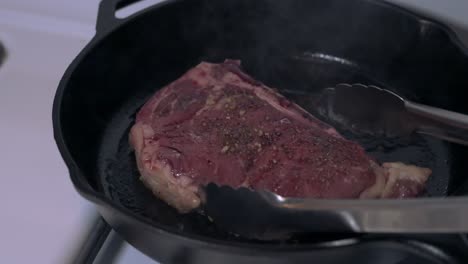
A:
(217, 124)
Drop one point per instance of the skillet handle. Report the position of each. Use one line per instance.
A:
(106, 18)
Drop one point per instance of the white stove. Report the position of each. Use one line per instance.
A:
(44, 220)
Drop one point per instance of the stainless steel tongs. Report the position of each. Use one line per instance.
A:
(265, 215)
(370, 109)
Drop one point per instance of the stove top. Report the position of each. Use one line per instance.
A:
(41, 211)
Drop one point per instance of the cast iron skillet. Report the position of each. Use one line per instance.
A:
(302, 45)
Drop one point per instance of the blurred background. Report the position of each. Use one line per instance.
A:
(43, 219)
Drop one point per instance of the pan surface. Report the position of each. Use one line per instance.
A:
(298, 45)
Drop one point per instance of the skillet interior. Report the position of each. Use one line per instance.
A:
(296, 45)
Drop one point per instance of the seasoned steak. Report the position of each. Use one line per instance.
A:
(218, 124)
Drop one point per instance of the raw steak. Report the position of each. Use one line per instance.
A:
(217, 124)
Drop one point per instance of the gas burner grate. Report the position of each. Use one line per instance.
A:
(3, 54)
(101, 246)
